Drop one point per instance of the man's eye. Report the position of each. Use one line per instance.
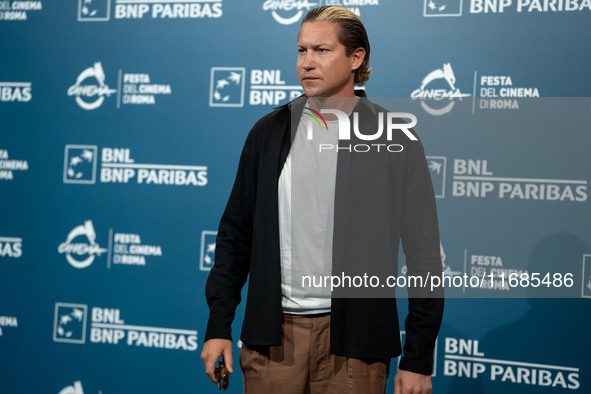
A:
(301, 50)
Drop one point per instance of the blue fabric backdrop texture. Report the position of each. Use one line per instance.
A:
(121, 126)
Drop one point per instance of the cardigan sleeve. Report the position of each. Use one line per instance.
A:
(420, 242)
(233, 248)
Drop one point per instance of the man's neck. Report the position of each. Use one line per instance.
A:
(345, 104)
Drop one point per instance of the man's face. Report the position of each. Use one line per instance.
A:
(324, 70)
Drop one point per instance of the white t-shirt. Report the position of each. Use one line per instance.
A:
(306, 217)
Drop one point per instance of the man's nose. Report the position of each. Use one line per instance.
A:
(309, 62)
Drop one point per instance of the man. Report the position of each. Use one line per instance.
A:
(285, 216)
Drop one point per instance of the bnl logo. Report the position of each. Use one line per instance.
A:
(442, 8)
(227, 87)
(207, 250)
(80, 164)
(69, 324)
(94, 10)
(437, 166)
(586, 291)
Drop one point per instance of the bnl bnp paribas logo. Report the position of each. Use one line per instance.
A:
(80, 164)
(108, 327)
(439, 85)
(266, 87)
(437, 167)
(500, 7)
(474, 178)
(464, 359)
(207, 255)
(100, 10)
(70, 323)
(94, 10)
(227, 87)
(11, 247)
(118, 166)
(19, 92)
(442, 8)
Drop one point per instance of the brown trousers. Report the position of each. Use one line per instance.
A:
(304, 365)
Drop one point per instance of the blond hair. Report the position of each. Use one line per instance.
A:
(351, 34)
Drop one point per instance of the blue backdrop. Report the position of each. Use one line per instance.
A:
(122, 122)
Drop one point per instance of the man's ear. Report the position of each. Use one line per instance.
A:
(357, 58)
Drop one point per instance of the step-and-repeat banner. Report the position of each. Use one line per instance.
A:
(122, 123)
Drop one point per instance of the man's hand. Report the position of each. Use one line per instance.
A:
(406, 382)
(213, 349)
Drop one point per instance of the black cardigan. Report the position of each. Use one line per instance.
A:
(400, 203)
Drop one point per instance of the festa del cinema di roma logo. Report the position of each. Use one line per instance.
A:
(288, 12)
(90, 88)
(295, 9)
(80, 247)
(75, 388)
(438, 85)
